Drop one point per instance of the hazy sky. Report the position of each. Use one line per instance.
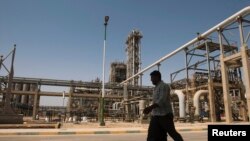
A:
(63, 39)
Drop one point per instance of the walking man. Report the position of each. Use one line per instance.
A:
(161, 121)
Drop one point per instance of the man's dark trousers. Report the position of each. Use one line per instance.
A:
(159, 127)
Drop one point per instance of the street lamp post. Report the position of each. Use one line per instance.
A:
(101, 119)
(64, 112)
(63, 98)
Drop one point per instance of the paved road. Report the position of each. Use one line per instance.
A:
(187, 135)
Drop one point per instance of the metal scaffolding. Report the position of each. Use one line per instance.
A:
(133, 50)
(7, 114)
(82, 96)
(231, 58)
(203, 73)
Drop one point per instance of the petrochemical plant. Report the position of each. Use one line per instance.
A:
(216, 82)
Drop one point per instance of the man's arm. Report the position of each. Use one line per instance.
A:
(148, 109)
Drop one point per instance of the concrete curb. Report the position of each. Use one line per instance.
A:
(28, 126)
(193, 129)
(84, 131)
(104, 130)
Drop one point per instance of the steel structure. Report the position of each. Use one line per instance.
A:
(26, 93)
(214, 66)
(133, 50)
(7, 115)
(219, 27)
(203, 65)
(238, 58)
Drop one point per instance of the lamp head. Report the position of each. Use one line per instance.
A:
(106, 20)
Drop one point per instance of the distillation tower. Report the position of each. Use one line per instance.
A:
(133, 51)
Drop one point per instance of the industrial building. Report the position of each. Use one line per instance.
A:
(118, 71)
(216, 79)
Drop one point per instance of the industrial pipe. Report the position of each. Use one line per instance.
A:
(181, 97)
(245, 11)
(196, 101)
